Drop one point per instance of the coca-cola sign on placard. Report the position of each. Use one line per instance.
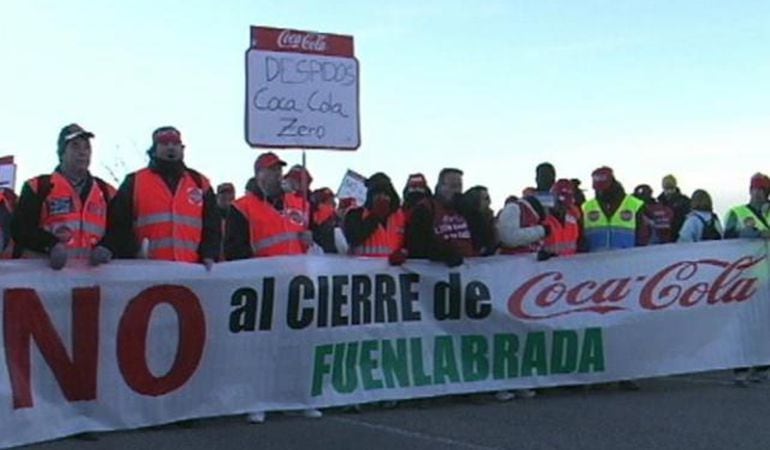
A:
(288, 40)
(301, 90)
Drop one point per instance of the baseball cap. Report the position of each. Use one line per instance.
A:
(267, 160)
(71, 132)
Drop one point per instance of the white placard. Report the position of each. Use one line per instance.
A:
(353, 186)
(301, 100)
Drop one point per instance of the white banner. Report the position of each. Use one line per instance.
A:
(136, 343)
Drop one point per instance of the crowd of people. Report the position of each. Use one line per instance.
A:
(168, 211)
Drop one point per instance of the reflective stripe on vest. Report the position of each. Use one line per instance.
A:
(273, 232)
(747, 218)
(385, 239)
(171, 222)
(79, 224)
(611, 234)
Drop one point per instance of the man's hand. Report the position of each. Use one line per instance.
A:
(208, 263)
(58, 256)
(100, 255)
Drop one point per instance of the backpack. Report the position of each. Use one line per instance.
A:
(710, 231)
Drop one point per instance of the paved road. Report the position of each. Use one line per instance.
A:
(694, 412)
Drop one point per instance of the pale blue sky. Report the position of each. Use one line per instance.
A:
(493, 87)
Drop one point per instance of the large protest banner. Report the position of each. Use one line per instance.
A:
(136, 343)
(301, 90)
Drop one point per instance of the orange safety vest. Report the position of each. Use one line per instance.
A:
(273, 232)
(385, 240)
(171, 222)
(564, 236)
(78, 224)
(7, 251)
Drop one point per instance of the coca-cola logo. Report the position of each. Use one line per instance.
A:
(302, 41)
(593, 216)
(681, 284)
(626, 215)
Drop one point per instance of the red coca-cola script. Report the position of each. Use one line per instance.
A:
(287, 40)
(683, 284)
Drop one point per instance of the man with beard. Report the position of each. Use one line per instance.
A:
(267, 222)
(436, 229)
(613, 220)
(64, 214)
(167, 210)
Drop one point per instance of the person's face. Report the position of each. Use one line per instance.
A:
(269, 179)
(77, 155)
(451, 185)
(545, 177)
(485, 201)
(758, 195)
(169, 151)
(225, 198)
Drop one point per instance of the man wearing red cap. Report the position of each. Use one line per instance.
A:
(751, 221)
(165, 211)
(613, 220)
(64, 214)
(297, 181)
(265, 222)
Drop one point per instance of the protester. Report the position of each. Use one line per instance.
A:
(63, 215)
(268, 222)
(658, 217)
(613, 220)
(297, 181)
(165, 211)
(674, 199)
(545, 176)
(436, 229)
(325, 220)
(377, 228)
(225, 197)
(563, 223)
(520, 226)
(701, 224)
(415, 191)
(7, 205)
(751, 221)
(476, 206)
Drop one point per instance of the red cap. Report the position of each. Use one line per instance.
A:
(760, 181)
(167, 135)
(602, 178)
(267, 160)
